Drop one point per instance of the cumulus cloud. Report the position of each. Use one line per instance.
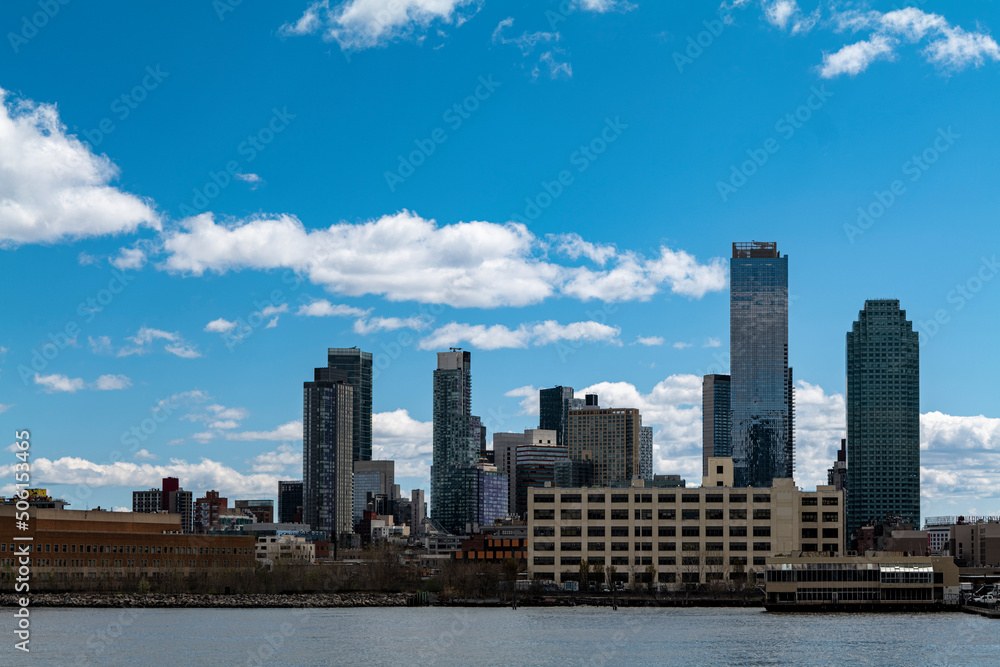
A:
(376, 324)
(56, 383)
(133, 258)
(363, 24)
(284, 459)
(112, 382)
(52, 187)
(254, 180)
(680, 345)
(526, 41)
(220, 325)
(288, 431)
(404, 257)
(204, 474)
(323, 308)
(529, 399)
(499, 336)
(142, 343)
(855, 58)
(712, 342)
(650, 340)
(144, 455)
(407, 441)
(4, 407)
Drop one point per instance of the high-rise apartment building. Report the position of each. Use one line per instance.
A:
(457, 437)
(327, 453)
(883, 417)
(716, 436)
(536, 467)
(553, 411)
(761, 396)
(418, 512)
(609, 439)
(207, 510)
(357, 366)
(171, 498)
(646, 452)
(290, 501)
(261, 510)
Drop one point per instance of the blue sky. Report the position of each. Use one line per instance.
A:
(197, 199)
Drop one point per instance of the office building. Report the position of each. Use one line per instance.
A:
(608, 438)
(837, 475)
(386, 474)
(262, 511)
(716, 435)
(418, 512)
(864, 582)
(327, 453)
(646, 452)
(357, 366)
(536, 467)
(290, 501)
(505, 455)
(367, 485)
(554, 405)
(708, 535)
(761, 397)
(457, 436)
(883, 417)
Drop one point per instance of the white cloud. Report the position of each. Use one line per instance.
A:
(144, 455)
(254, 180)
(52, 187)
(288, 431)
(407, 441)
(184, 351)
(112, 382)
(574, 246)
(323, 308)
(86, 259)
(526, 41)
(205, 474)
(949, 47)
(712, 342)
(268, 311)
(855, 58)
(601, 6)
(219, 326)
(556, 68)
(362, 24)
(529, 399)
(99, 345)
(129, 258)
(376, 324)
(779, 12)
(4, 407)
(404, 257)
(680, 345)
(499, 336)
(650, 340)
(58, 383)
(279, 460)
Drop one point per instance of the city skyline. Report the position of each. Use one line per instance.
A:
(584, 244)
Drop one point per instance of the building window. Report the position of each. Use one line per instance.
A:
(545, 531)
(809, 517)
(762, 515)
(668, 546)
(666, 498)
(763, 546)
(691, 531)
(545, 515)
(809, 501)
(643, 515)
(809, 533)
(666, 515)
(713, 515)
(570, 515)
(690, 546)
(831, 533)
(691, 498)
(619, 515)
(595, 498)
(568, 498)
(737, 546)
(666, 531)
(619, 497)
(595, 515)
(690, 515)
(713, 497)
(545, 560)
(762, 497)
(831, 500)
(595, 531)
(737, 497)
(737, 515)
(762, 531)
(831, 516)
(570, 531)
(666, 560)
(544, 498)
(595, 546)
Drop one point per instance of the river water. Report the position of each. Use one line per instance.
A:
(536, 636)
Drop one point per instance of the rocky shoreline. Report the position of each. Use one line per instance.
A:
(187, 600)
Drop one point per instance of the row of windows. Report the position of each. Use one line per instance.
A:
(664, 498)
(131, 549)
(648, 546)
(671, 515)
(709, 561)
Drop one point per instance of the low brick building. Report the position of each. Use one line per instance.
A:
(75, 546)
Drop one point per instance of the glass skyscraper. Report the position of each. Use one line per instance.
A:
(760, 378)
(357, 366)
(457, 440)
(716, 435)
(327, 465)
(553, 411)
(883, 417)
(646, 452)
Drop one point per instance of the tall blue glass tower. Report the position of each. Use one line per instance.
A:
(883, 417)
(760, 378)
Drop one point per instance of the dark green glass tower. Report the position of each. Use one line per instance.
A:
(883, 417)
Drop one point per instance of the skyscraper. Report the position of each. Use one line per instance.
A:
(716, 438)
(290, 501)
(457, 439)
(327, 461)
(553, 411)
(883, 417)
(760, 379)
(357, 366)
(646, 452)
(609, 439)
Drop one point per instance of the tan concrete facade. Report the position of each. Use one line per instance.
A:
(880, 578)
(688, 536)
